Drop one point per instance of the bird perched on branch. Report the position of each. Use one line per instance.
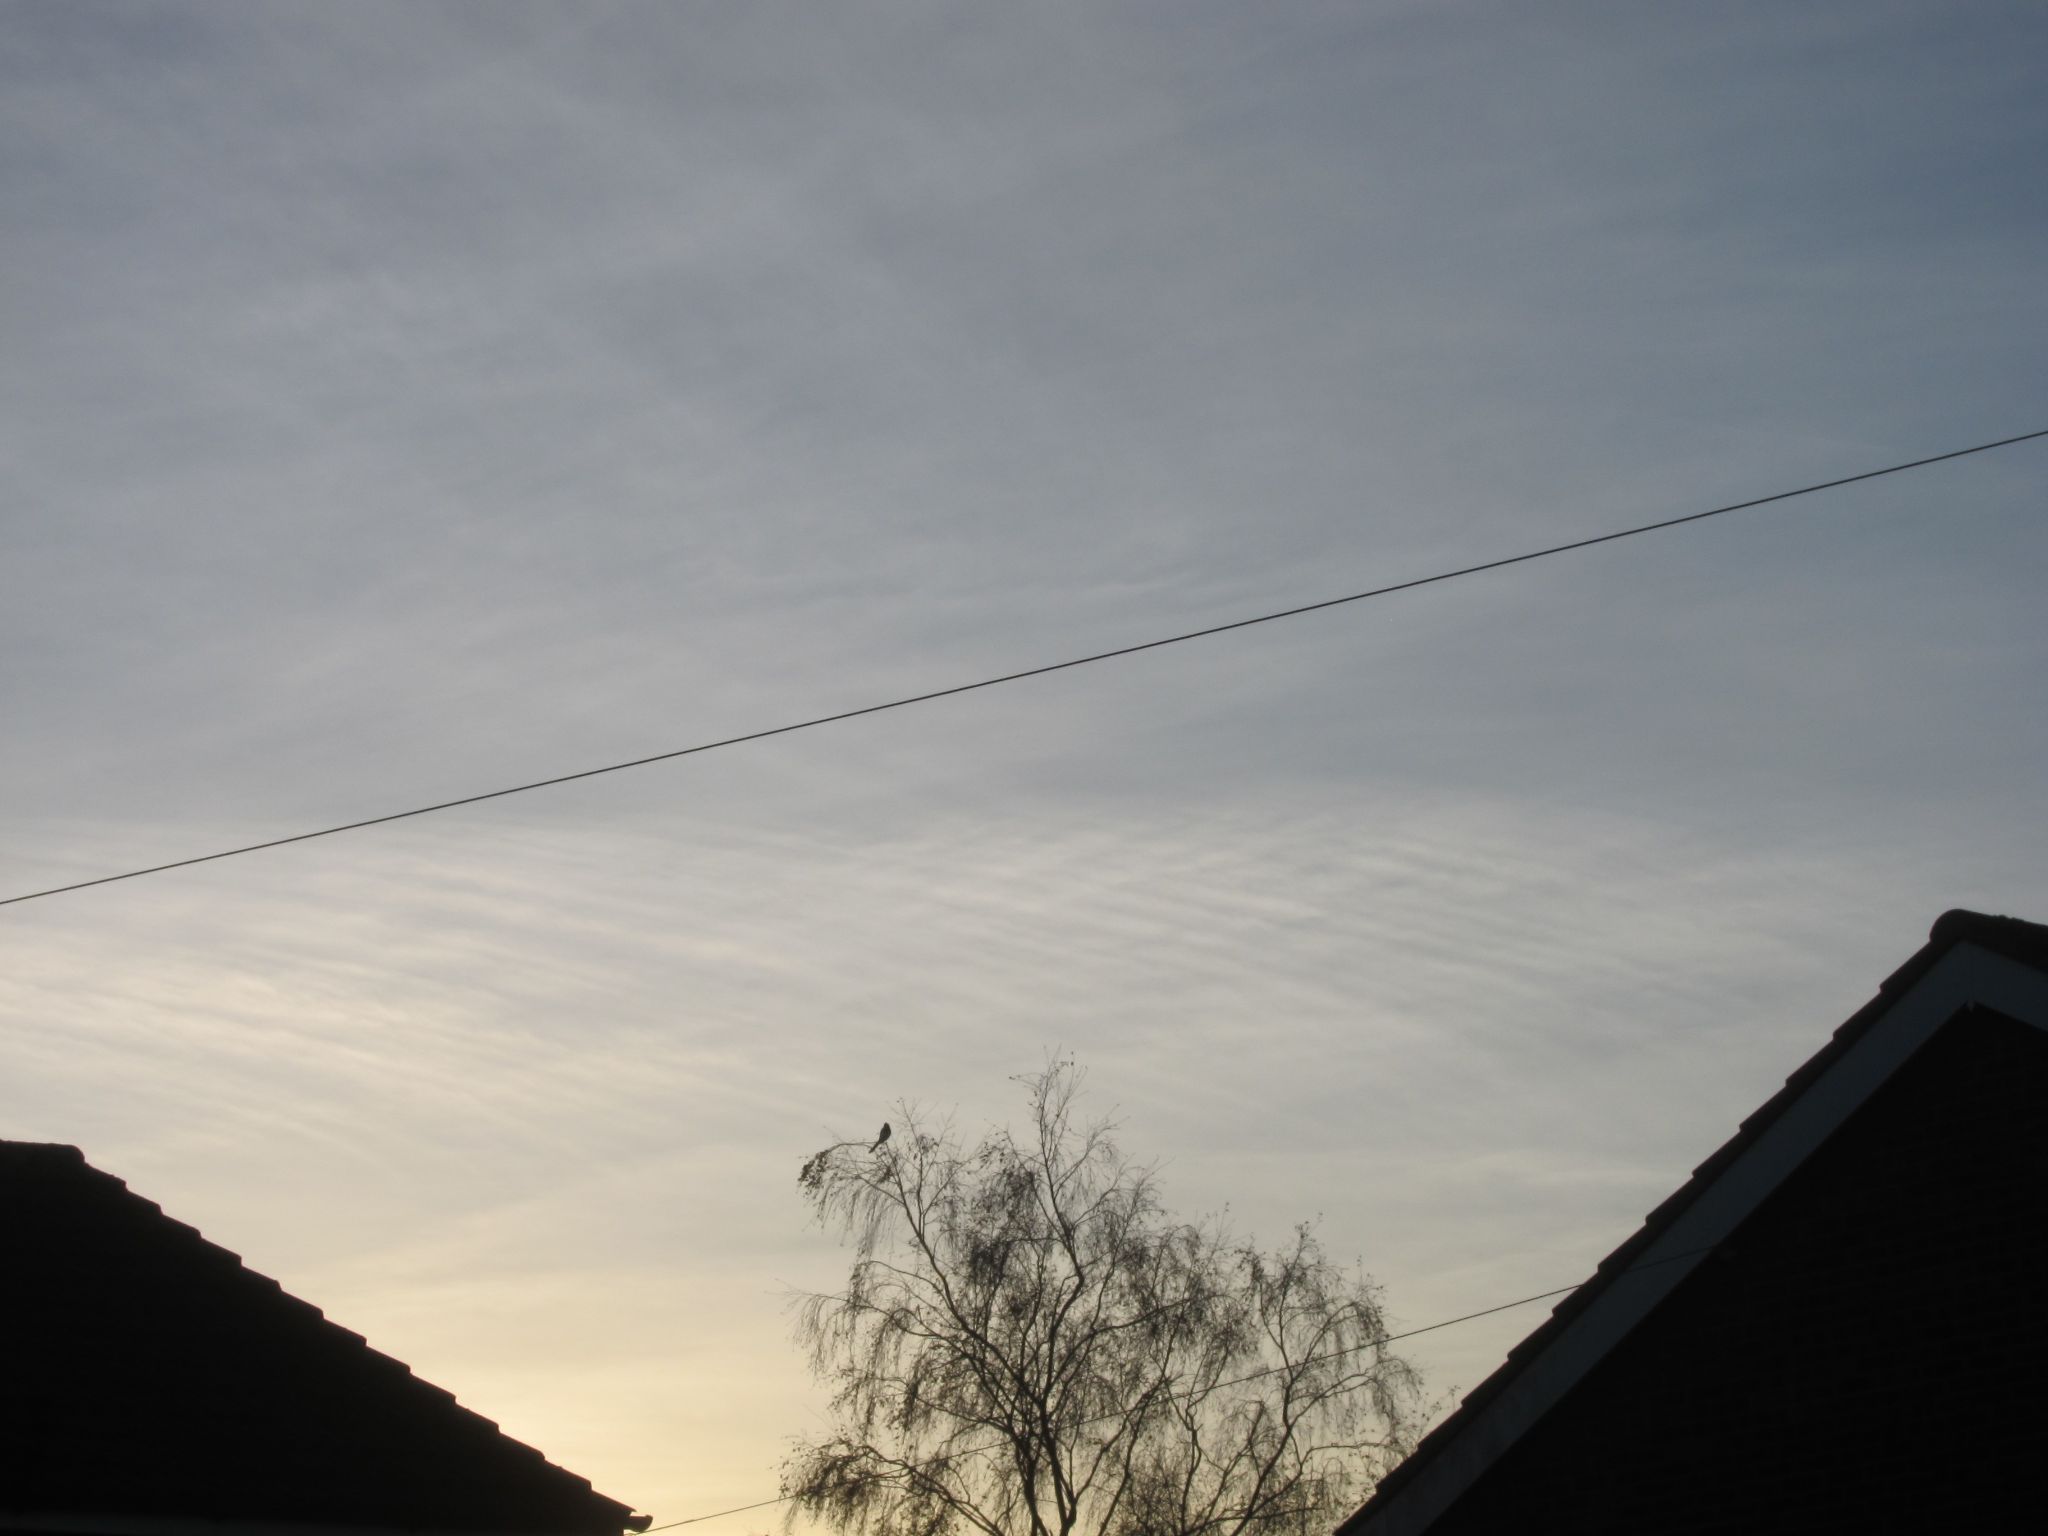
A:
(879, 1140)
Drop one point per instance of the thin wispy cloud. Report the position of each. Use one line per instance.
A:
(405, 400)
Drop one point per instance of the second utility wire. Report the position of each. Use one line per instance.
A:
(1378, 1343)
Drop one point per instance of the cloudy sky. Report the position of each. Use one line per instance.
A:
(399, 401)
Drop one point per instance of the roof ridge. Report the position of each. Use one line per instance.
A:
(43, 1148)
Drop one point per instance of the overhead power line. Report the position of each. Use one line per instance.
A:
(1037, 671)
(1335, 1354)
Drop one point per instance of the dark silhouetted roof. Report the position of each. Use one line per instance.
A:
(2026, 943)
(147, 1374)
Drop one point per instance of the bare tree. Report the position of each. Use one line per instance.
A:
(1028, 1345)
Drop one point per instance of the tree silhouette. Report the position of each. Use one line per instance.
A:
(1028, 1345)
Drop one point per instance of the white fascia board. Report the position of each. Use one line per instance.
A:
(1966, 975)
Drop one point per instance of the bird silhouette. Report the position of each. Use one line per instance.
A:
(881, 1138)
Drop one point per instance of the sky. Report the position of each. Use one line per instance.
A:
(399, 401)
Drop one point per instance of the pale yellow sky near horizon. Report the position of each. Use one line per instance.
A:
(409, 398)
(591, 1240)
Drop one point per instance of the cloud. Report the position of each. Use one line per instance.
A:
(405, 401)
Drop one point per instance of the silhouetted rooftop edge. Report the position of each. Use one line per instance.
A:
(153, 1376)
(2013, 938)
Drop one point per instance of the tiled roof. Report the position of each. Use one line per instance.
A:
(146, 1373)
(2010, 937)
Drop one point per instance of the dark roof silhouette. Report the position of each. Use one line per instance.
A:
(1833, 1324)
(148, 1375)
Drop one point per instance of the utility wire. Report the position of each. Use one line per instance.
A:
(1272, 1370)
(1038, 671)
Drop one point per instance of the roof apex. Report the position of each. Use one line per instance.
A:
(2010, 937)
